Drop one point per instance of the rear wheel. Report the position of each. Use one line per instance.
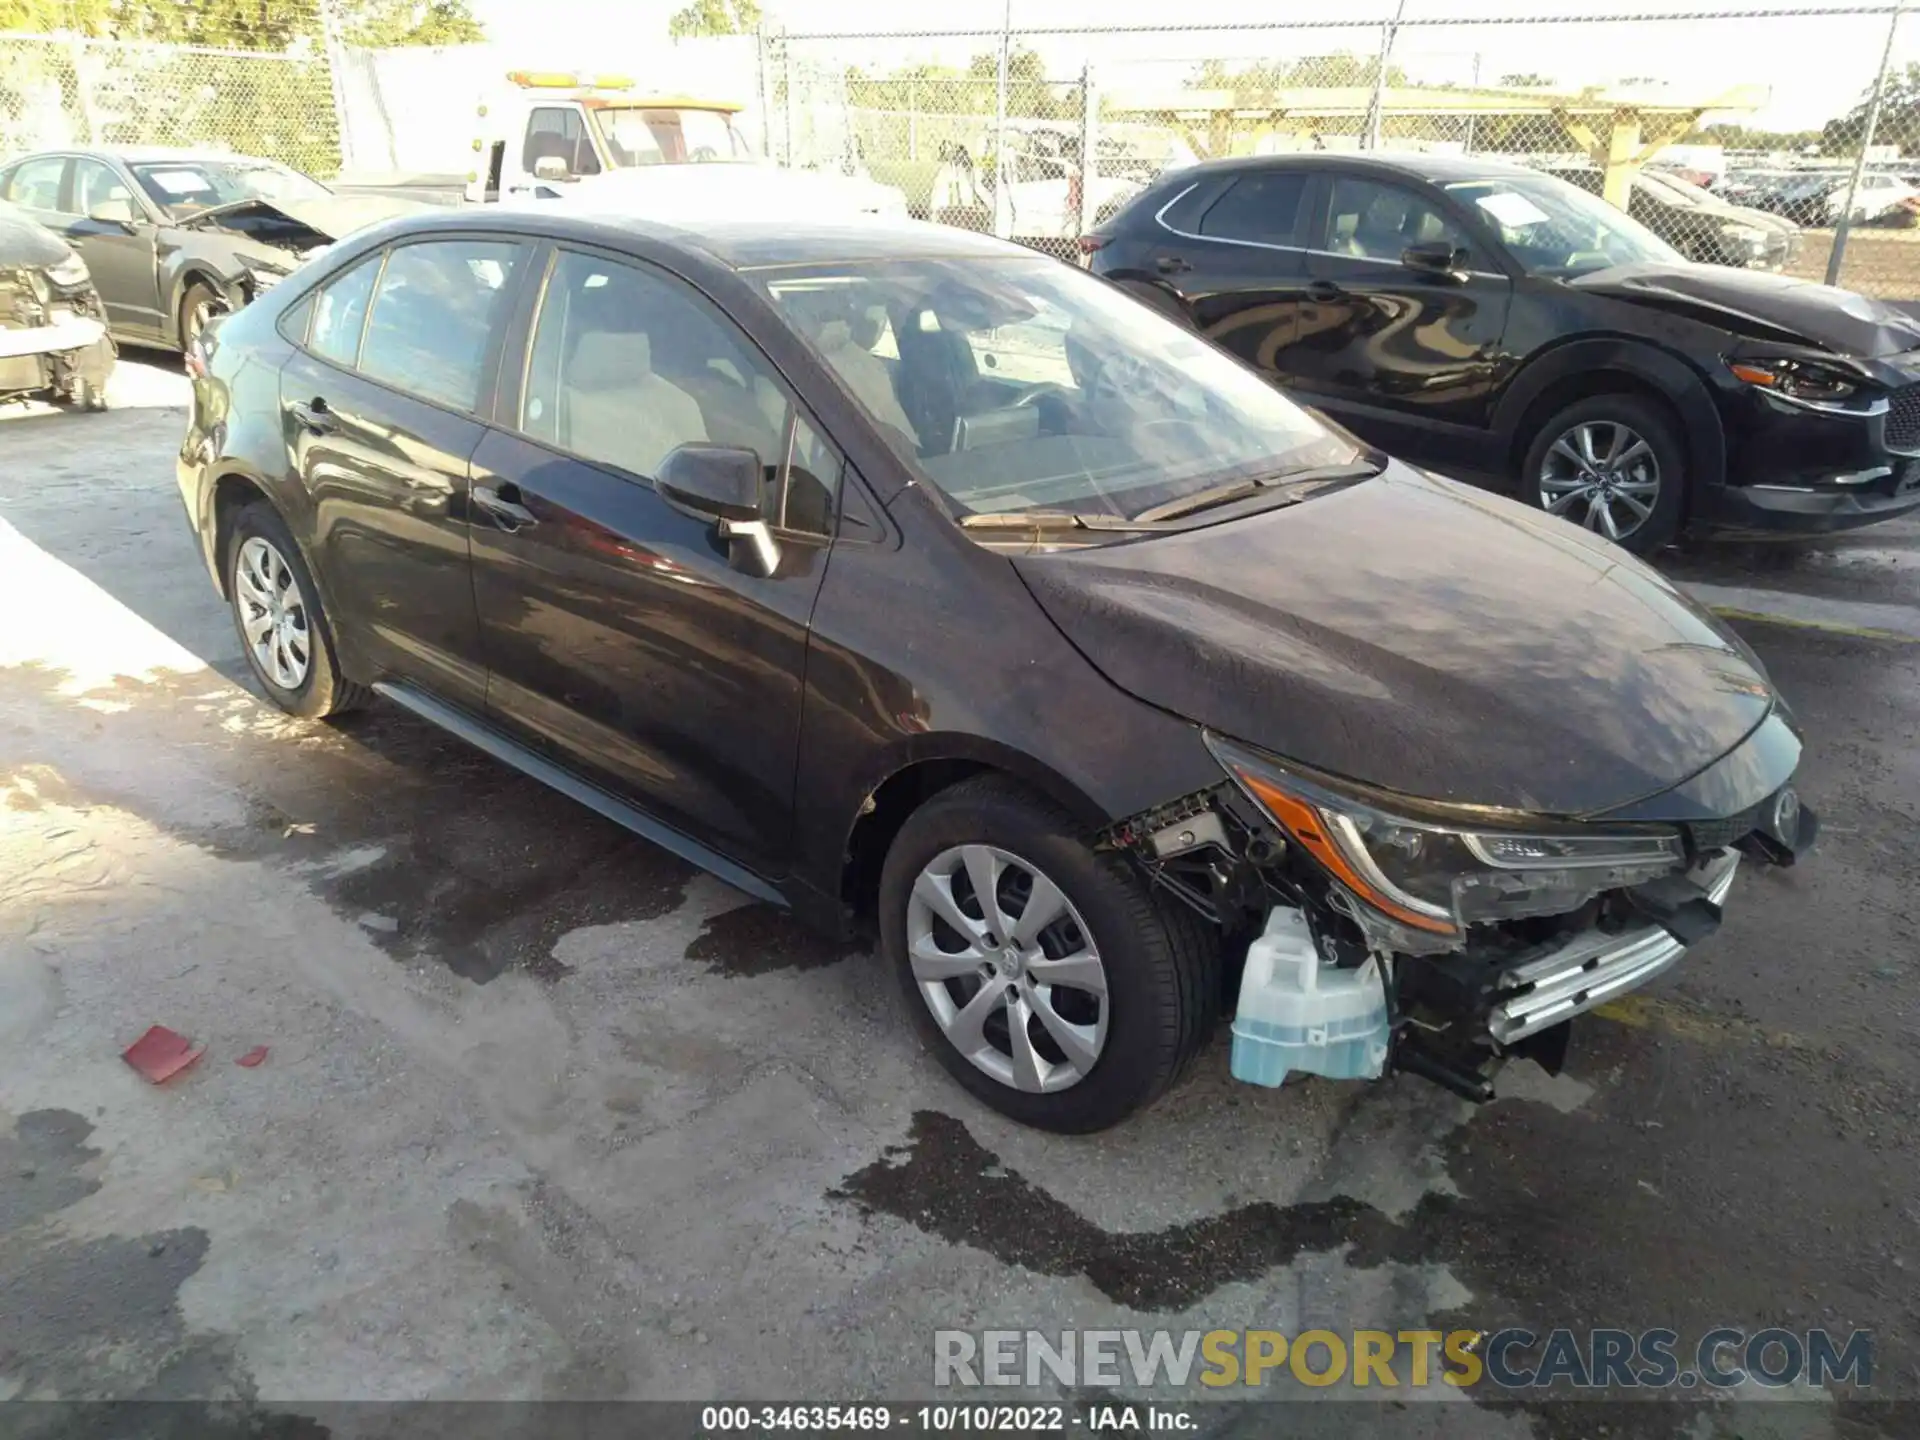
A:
(1614, 464)
(1044, 977)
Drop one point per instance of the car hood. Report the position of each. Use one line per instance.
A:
(331, 219)
(25, 243)
(1777, 305)
(1422, 637)
(743, 190)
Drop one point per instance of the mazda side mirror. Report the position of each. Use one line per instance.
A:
(1437, 258)
(551, 167)
(722, 483)
(118, 213)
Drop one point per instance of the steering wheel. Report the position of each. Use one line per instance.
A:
(702, 154)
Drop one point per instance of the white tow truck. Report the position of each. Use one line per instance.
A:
(604, 143)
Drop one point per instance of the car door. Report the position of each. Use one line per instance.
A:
(1234, 256)
(618, 633)
(115, 231)
(1408, 357)
(380, 410)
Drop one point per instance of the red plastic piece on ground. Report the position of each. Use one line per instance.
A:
(253, 1057)
(160, 1054)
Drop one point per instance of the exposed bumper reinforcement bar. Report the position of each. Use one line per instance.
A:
(1593, 968)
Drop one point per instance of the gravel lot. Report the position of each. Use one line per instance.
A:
(547, 1114)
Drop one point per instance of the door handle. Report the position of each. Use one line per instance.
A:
(314, 416)
(1171, 265)
(503, 506)
(1324, 290)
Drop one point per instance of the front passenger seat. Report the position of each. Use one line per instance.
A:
(618, 410)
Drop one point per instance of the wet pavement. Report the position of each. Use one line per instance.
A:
(548, 1114)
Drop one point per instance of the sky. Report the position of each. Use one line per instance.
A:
(1810, 66)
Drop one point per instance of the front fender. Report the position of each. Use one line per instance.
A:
(1678, 382)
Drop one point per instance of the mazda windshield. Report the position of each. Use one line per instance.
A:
(1027, 389)
(1559, 230)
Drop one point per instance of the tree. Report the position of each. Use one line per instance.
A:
(1742, 137)
(715, 17)
(1899, 122)
(1527, 80)
(379, 24)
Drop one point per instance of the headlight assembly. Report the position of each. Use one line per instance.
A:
(1803, 380)
(69, 272)
(1440, 878)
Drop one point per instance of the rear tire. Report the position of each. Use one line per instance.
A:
(1614, 464)
(1123, 1046)
(276, 613)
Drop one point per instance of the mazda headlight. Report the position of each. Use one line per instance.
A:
(69, 272)
(1440, 877)
(1798, 379)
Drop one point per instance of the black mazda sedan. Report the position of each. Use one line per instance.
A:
(903, 577)
(1503, 324)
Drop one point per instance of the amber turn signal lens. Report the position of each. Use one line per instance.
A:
(1303, 822)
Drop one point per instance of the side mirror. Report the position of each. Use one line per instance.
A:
(551, 167)
(1434, 257)
(113, 212)
(722, 483)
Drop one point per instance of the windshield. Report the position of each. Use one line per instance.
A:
(1559, 230)
(638, 135)
(186, 188)
(1017, 385)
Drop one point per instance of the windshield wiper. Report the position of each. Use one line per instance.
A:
(1233, 490)
(1053, 520)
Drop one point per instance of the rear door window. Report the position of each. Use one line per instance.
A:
(1259, 209)
(340, 313)
(439, 307)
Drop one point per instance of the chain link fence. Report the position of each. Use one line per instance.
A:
(60, 91)
(1039, 134)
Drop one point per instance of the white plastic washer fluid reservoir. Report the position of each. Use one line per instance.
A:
(1297, 1012)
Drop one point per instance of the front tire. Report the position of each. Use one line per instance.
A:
(198, 306)
(276, 612)
(1614, 464)
(1071, 998)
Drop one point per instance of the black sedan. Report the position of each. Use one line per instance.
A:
(903, 577)
(174, 237)
(1496, 322)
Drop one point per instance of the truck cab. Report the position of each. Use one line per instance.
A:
(547, 133)
(603, 142)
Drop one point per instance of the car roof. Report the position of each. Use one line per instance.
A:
(1417, 164)
(737, 244)
(145, 154)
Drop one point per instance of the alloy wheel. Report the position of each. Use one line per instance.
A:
(1601, 474)
(199, 316)
(273, 617)
(1008, 967)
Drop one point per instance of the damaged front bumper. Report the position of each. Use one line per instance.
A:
(67, 355)
(1455, 1007)
(1592, 968)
